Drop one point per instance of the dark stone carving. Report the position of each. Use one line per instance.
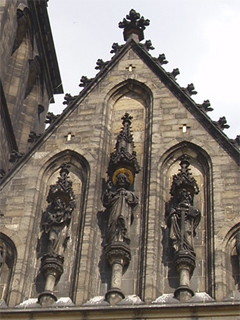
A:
(34, 73)
(174, 73)
(238, 244)
(84, 81)
(51, 118)
(182, 220)
(120, 202)
(133, 24)
(147, 45)
(221, 123)
(161, 59)
(15, 156)
(40, 109)
(205, 106)
(118, 252)
(116, 47)
(33, 137)
(124, 154)
(52, 264)
(58, 214)
(56, 220)
(69, 98)
(236, 141)
(24, 26)
(2, 173)
(2, 255)
(101, 64)
(190, 89)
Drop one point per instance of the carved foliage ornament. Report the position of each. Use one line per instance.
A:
(134, 23)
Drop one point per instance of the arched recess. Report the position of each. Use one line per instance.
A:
(79, 175)
(135, 98)
(201, 168)
(8, 257)
(18, 67)
(231, 257)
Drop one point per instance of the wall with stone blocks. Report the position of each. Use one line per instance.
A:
(95, 120)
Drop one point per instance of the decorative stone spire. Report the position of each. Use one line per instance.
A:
(184, 179)
(124, 156)
(133, 26)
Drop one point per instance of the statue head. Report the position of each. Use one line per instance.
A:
(185, 197)
(122, 181)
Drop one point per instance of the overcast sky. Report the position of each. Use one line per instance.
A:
(200, 37)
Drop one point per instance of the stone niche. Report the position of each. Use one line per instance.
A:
(201, 280)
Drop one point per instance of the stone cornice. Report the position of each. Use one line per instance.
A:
(217, 310)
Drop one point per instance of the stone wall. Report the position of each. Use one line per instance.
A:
(95, 120)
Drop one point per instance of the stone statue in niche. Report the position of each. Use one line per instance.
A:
(58, 214)
(183, 220)
(56, 221)
(120, 204)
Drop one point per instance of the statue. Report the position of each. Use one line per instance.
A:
(58, 213)
(183, 221)
(56, 225)
(56, 221)
(120, 204)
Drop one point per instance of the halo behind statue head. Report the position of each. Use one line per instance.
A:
(125, 171)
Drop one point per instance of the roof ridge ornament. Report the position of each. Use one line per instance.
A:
(134, 27)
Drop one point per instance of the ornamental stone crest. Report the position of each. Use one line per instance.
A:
(133, 24)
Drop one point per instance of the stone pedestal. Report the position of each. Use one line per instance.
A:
(185, 264)
(46, 298)
(118, 256)
(52, 269)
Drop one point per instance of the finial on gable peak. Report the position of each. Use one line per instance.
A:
(134, 27)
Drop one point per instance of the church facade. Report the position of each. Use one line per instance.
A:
(127, 205)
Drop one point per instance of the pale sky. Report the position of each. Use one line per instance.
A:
(200, 37)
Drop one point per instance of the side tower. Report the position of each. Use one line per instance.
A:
(29, 76)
